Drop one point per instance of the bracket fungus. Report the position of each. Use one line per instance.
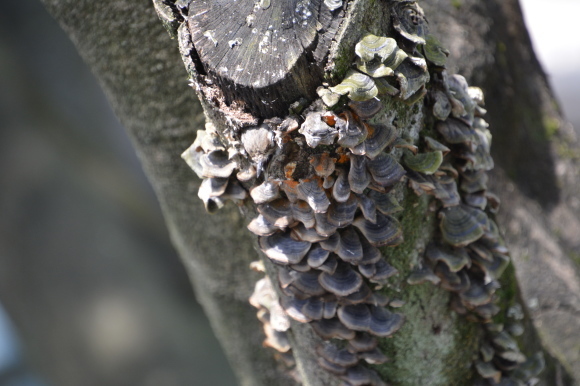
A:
(326, 188)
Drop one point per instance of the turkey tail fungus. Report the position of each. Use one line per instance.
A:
(326, 162)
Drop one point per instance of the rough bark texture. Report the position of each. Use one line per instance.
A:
(141, 72)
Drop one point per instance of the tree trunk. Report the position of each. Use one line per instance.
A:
(140, 71)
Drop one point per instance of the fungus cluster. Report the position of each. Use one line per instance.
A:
(323, 185)
(468, 256)
(322, 210)
(275, 321)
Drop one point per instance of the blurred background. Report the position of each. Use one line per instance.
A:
(91, 291)
(558, 48)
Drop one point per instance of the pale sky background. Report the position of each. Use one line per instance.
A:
(553, 26)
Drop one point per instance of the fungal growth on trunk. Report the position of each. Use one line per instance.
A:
(323, 170)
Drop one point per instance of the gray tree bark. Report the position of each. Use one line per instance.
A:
(142, 74)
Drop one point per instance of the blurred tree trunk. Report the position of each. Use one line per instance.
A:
(140, 70)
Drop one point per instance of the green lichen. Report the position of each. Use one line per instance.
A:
(566, 152)
(417, 229)
(432, 346)
(507, 294)
(551, 126)
(500, 55)
(342, 55)
(501, 47)
(575, 257)
(457, 3)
